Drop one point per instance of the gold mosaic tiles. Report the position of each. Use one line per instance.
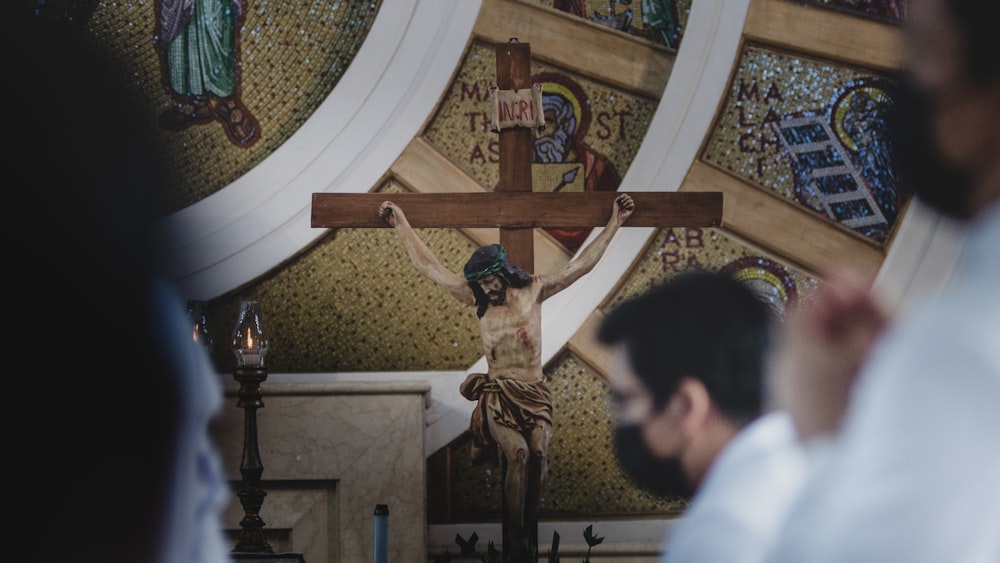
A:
(354, 302)
(291, 55)
(814, 133)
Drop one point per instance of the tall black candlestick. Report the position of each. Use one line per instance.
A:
(251, 496)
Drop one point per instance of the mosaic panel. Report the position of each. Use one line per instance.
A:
(354, 302)
(584, 475)
(659, 21)
(288, 57)
(815, 133)
(674, 250)
(592, 132)
(886, 10)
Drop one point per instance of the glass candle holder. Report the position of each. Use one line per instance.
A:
(249, 339)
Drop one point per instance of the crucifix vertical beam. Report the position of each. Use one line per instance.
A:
(513, 61)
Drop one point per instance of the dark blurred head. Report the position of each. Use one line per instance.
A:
(82, 258)
(699, 337)
(701, 324)
(946, 115)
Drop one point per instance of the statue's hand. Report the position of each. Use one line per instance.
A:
(389, 211)
(623, 207)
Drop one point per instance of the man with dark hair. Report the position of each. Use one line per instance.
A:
(513, 415)
(900, 416)
(686, 379)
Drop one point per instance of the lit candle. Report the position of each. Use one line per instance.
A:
(249, 340)
(381, 551)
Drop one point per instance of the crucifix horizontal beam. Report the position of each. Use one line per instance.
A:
(513, 206)
(518, 209)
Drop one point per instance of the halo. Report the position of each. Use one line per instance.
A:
(751, 268)
(876, 88)
(561, 85)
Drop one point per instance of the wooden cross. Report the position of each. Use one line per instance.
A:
(513, 206)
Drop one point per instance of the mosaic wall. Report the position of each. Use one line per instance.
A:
(815, 133)
(592, 131)
(676, 249)
(285, 59)
(659, 21)
(354, 302)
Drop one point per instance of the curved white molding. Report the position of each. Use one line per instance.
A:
(262, 218)
(682, 120)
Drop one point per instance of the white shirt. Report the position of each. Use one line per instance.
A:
(915, 474)
(743, 499)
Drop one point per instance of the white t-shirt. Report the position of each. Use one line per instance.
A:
(915, 474)
(743, 499)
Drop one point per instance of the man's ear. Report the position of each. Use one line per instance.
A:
(690, 404)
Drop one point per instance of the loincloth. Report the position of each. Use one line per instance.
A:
(516, 404)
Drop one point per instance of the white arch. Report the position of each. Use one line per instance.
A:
(376, 109)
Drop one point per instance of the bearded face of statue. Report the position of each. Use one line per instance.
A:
(495, 289)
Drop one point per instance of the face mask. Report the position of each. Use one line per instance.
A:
(661, 476)
(924, 172)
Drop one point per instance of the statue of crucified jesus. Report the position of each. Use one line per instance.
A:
(513, 416)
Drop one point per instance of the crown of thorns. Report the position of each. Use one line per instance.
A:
(486, 260)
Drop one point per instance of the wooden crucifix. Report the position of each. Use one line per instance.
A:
(516, 210)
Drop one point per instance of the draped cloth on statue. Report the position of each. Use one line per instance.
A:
(511, 402)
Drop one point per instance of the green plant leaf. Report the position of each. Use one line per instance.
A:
(492, 555)
(592, 540)
(467, 547)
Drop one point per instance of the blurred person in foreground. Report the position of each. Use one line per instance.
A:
(686, 378)
(899, 416)
(115, 462)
